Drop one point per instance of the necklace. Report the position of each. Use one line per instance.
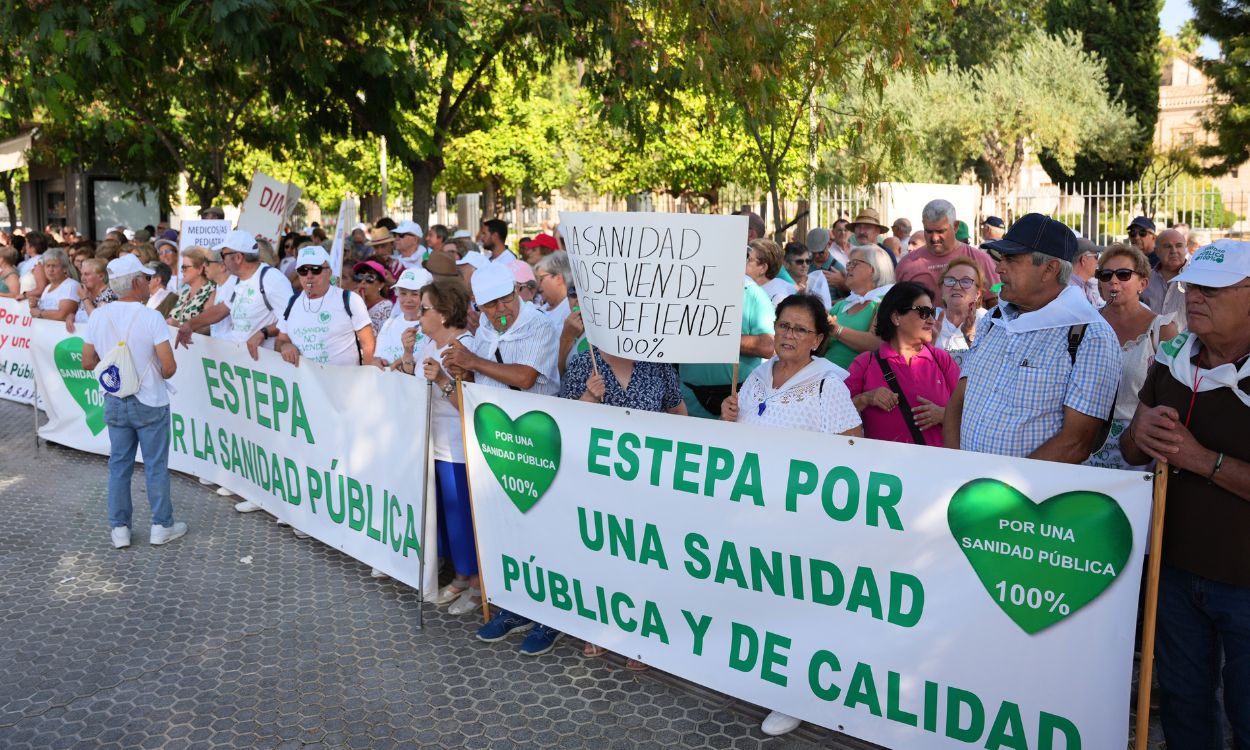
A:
(308, 303)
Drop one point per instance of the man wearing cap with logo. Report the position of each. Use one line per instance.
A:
(1141, 235)
(993, 228)
(515, 345)
(408, 236)
(1193, 414)
(1164, 294)
(923, 265)
(1041, 377)
(140, 420)
(259, 296)
(321, 322)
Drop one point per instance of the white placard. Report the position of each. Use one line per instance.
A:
(659, 287)
(880, 589)
(347, 216)
(17, 376)
(209, 233)
(265, 210)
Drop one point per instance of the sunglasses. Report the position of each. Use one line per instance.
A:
(925, 313)
(310, 270)
(530, 285)
(951, 282)
(1139, 233)
(1123, 274)
(365, 278)
(1212, 291)
(187, 267)
(800, 261)
(423, 309)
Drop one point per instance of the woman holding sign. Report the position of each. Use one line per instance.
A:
(797, 388)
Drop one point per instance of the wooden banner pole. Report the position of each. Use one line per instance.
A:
(1154, 559)
(477, 547)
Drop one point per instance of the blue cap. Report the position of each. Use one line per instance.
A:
(1036, 233)
(994, 221)
(1143, 223)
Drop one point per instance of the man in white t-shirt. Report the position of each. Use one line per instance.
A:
(408, 250)
(254, 304)
(140, 420)
(322, 322)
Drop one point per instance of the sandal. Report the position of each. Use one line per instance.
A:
(634, 665)
(451, 592)
(591, 650)
(469, 601)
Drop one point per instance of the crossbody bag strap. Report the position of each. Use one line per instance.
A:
(892, 381)
(499, 359)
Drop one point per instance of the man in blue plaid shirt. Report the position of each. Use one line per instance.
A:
(1042, 374)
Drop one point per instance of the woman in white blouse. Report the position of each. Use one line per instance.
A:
(60, 299)
(963, 287)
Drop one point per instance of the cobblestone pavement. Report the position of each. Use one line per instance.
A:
(189, 645)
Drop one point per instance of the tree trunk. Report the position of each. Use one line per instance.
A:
(489, 196)
(424, 171)
(777, 234)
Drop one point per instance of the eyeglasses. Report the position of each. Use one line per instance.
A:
(1212, 291)
(800, 261)
(793, 330)
(186, 267)
(423, 309)
(365, 278)
(310, 270)
(1139, 233)
(228, 254)
(925, 313)
(854, 262)
(1123, 274)
(496, 302)
(951, 282)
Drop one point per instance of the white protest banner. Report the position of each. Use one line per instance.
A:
(17, 377)
(293, 193)
(336, 452)
(659, 287)
(265, 209)
(209, 233)
(914, 597)
(347, 214)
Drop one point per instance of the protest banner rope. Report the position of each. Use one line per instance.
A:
(1150, 617)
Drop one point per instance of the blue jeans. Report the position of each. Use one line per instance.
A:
(133, 424)
(1201, 624)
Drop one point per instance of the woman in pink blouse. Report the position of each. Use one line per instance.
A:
(901, 388)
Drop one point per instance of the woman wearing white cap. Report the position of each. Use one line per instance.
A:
(390, 339)
(321, 322)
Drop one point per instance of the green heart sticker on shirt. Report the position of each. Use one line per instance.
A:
(80, 383)
(1040, 562)
(523, 454)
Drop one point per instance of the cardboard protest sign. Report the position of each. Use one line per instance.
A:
(659, 287)
(209, 233)
(909, 596)
(347, 215)
(284, 437)
(265, 210)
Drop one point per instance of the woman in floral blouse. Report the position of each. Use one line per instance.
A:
(197, 288)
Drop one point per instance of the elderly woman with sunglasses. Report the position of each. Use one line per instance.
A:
(901, 389)
(1123, 274)
(963, 287)
(373, 281)
(197, 288)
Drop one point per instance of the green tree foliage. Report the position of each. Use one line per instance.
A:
(1125, 34)
(995, 114)
(763, 60)
(969, 33)
(1228, 23)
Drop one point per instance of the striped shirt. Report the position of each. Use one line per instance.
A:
(1019, 384)
(532, 341)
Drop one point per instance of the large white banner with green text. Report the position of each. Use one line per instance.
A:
(910, 596)
(338, 452)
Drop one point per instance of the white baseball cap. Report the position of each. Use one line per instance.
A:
(124, 265)
(492, 282)
(475, 259)
(460, 233)
(240, 241)
(408, 226)
(313, 255)
(1220, 264)
(414, 279)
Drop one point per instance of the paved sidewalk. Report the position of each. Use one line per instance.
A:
(240, 635)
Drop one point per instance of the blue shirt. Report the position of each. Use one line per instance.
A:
(1019, 384)
(653, 386)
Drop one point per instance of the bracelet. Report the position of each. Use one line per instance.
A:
(1219, 461)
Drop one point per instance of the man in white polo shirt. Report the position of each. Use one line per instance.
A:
(140, 420)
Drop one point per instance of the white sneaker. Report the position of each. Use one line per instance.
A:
(247, 506)
(205, 482)
(163, 534)
(375, 573)
(777, 723)
(300, 534)
(224, 492)
(121, 537)
(468, 602)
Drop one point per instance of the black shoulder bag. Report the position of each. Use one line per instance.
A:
(892, 381)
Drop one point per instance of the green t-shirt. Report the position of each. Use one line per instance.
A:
(840, 354)
(758, 316)
(784, 275)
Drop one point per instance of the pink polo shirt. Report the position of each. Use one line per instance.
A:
(932, 373)
(923, 267)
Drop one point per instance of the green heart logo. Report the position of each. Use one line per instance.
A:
(80, 383)
(325, 316)
(524, 455)
(1040, 562)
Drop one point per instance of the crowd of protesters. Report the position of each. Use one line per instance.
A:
(1036, 343)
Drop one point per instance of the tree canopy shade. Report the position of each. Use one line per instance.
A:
(1125, 34)
(1228, 23)
(970, 32)
(764, 60)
